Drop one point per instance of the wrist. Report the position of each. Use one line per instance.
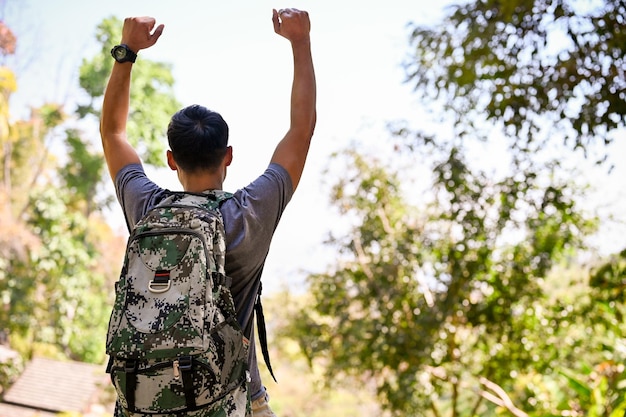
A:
(131, 45)
(123, 53)
(301, 43)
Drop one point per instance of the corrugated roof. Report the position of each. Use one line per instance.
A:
(10, 410)
(52, 385)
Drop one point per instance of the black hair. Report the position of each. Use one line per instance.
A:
(198, 138)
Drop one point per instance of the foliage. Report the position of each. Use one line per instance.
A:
(83, 175)
(544, 70)
(11, 369)
(7, 40)
(50, 293)
(602, 388)
(447, 306)
(308, 397)
(152, 83)
(58, 257)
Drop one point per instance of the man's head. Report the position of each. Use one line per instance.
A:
(198, 139)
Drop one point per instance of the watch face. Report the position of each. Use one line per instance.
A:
(120, 53)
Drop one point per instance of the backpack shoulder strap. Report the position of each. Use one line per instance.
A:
(209, 200)
(260, 322)
(215, 198)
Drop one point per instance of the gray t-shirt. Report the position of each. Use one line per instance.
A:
(250, 219)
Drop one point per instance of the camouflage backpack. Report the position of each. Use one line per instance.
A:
(174, 343)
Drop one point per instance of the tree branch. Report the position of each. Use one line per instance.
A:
(500, 398)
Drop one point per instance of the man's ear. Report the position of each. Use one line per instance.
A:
(170, 161)
(228, 158)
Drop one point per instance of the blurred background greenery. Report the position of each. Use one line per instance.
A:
(471, 264)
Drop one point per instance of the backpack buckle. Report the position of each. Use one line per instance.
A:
(185, 363)
(130, 366)
(182, 364)
(160, 283)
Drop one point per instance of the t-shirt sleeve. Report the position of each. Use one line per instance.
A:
(136, 193)
(251, 217)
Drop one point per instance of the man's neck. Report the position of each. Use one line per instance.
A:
(201, 182)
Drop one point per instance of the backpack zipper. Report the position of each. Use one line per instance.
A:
(173, 231)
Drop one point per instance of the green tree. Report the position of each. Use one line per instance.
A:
(543, 74)
(58, 256)
(24, 157)
(600, 384)
(433, 302)
(61, 307)
(46, 256)
(545, 71)
(83, 174)
(151, 94)
(449, 306)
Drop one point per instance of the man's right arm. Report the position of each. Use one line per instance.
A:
(137, 34)
(292, 150)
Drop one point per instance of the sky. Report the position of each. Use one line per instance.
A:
(225, 56)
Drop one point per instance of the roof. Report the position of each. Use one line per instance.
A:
(55, 386)
(9, 410)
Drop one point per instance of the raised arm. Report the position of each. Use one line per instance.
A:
(137, 34)
(292, 150)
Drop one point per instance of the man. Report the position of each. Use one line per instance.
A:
(200, 155)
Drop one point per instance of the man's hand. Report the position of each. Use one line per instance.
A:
(138, 34)
(292, 24)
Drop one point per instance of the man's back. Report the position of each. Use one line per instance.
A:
(250, 219)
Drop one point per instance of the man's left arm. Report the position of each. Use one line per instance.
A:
(291, 152)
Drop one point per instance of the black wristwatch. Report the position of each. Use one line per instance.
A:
(122, 53)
